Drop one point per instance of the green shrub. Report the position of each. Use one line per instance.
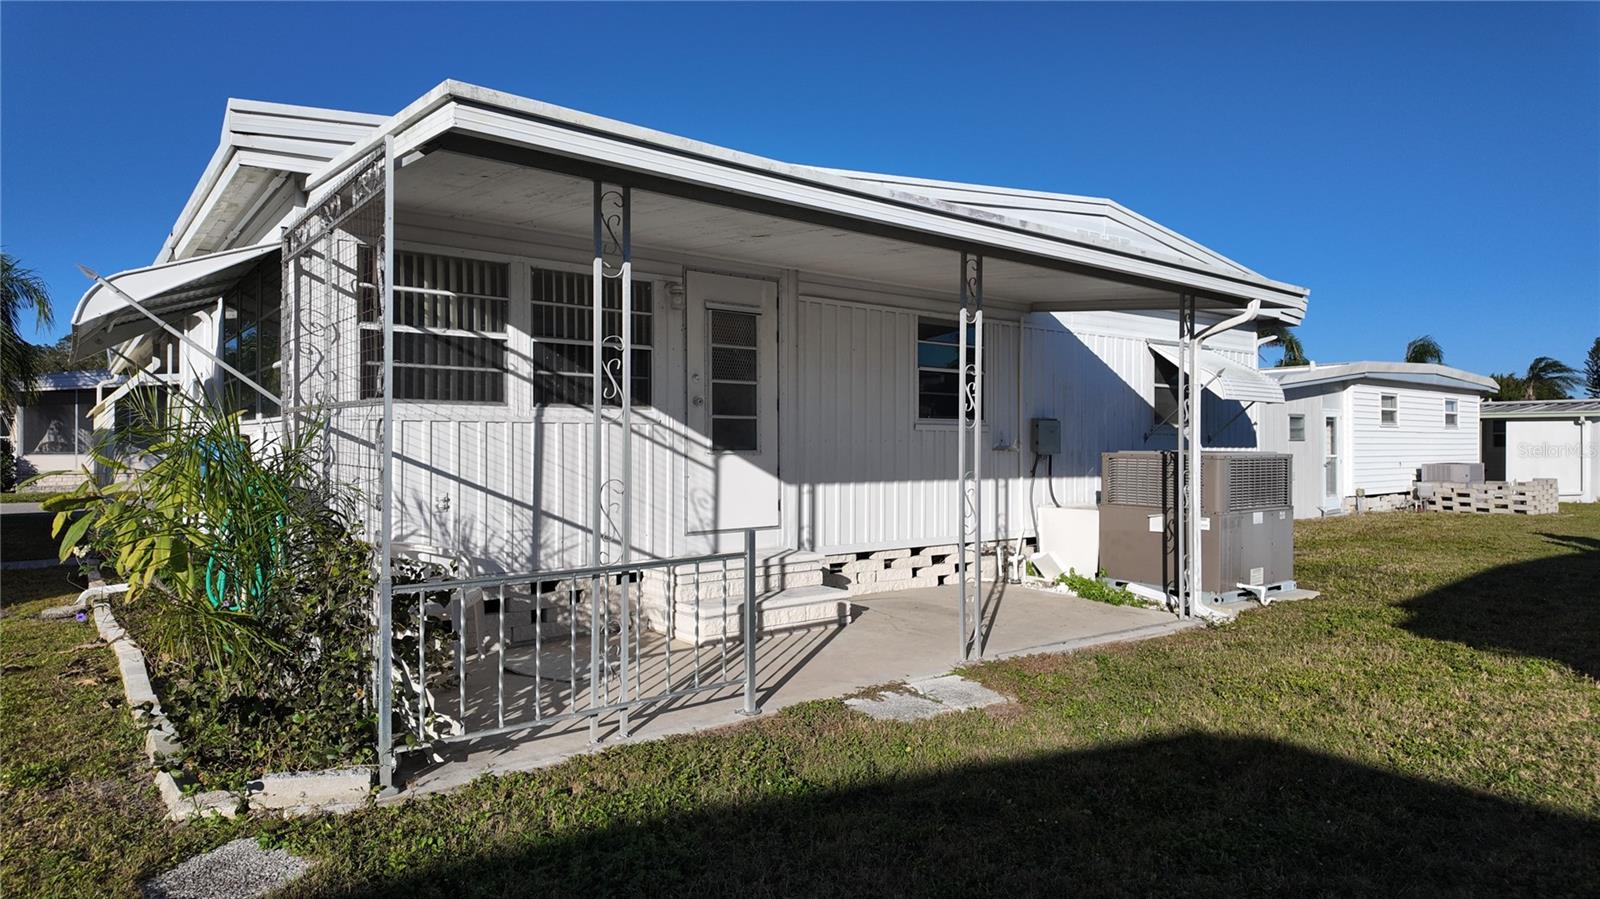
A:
(249, 589)
(1099, 591)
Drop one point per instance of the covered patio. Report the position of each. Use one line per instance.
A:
(896, 637)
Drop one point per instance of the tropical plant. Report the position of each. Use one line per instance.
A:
(1287, 340)
(1511, 387)
(1425, 349)
(1591, 371)
(1549, 379)
(247, 583)
(20, 288)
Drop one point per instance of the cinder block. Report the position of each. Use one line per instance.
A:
(862, 565)
(890, 554)
(894, 574)
(916, 561)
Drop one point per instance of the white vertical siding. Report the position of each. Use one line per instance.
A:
(509, 485)
(1386, 459)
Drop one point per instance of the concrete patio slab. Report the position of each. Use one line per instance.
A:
(902, 636)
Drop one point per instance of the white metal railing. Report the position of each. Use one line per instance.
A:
(563, 646)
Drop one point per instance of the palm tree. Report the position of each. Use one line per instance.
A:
(20, 288)
(1591, 371)
(1549, 379)
(1425, 349)
(1293, 352)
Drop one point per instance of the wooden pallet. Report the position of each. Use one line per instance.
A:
(1536, 497)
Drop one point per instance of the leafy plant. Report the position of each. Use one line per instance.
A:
(1425, 349)
(1093, 588)
(248, 586)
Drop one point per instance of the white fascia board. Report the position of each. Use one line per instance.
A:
(518, 120)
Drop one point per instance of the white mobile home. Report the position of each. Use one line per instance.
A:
(836, 370)
(1558, 439)
(1365, 429)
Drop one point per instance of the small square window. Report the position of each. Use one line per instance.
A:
(1389, 410)
(1297, 428)
(1452, 416)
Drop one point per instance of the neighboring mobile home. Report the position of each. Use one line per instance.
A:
(1365, 429)
(51, 435)
(1559, 439)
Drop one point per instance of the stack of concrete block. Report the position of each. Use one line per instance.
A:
(1537, 497)
(908, 568)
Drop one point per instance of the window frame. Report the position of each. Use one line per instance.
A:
(711, 345)
(525, 304)
(1389, 410)
(1302, 420)
(1452, 414)
(504, 337)
(918, 368)
(238, 396)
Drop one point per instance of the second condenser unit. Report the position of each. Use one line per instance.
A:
(1247, 521)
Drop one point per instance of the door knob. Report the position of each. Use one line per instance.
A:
(699, 401)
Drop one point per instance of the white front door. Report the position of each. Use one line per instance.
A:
(1332, 495)
(732, 464)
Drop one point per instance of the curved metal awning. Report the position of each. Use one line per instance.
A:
(1227, 379)
(106, 317)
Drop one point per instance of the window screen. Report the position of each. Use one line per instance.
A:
(563, 336)
(1388, 410)
(1297, 428)
(938, 372)
(449, 324)
(735, 372)
(1452, 416)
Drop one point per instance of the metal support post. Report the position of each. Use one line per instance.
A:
(751, 616)
(385, 648)
(969, 439)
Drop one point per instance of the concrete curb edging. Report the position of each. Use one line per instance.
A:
(296, 792)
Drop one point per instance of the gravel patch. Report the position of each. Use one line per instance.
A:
(237, 870)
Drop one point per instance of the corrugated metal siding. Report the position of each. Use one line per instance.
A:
(1385, 460)
(868, 473)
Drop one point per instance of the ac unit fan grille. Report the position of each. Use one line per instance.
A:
(1133, 480)
(1258, 483)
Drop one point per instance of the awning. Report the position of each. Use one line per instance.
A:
(1227, 379)
(104, 318)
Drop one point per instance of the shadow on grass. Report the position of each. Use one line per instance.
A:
(1192, 814)
(1547, 607)
(17, 587)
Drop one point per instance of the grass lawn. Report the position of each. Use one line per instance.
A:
(1432, 725)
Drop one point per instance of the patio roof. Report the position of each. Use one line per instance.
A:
(1541, 408)
(469, 121)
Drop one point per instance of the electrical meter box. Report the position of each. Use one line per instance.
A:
(1047, 436)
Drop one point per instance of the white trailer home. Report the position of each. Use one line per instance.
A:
(1559, 439)
(826, 378)
(1364, 429)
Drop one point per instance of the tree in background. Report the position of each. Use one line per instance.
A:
(1425, 349)
(1546, 379)
(58, 357)
(20, 288)
(1293, 352)
(1591, 371)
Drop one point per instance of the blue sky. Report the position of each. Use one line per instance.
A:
(1422, 168)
